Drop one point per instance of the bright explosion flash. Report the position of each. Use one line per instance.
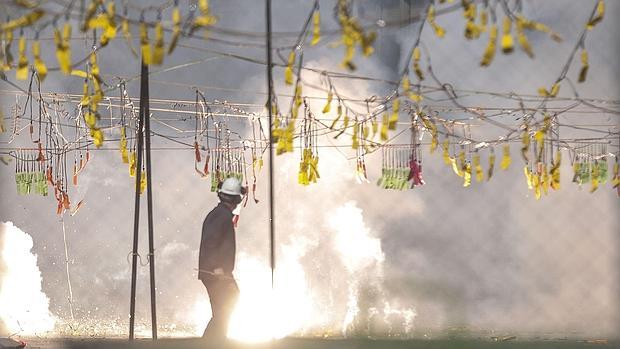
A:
(292, 307)
(263, 313)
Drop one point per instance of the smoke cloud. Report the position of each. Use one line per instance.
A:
(24, 308)
(351, 259)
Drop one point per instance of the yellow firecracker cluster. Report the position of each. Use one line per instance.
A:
(353, 35)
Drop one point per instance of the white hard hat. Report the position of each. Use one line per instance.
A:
(231, 186)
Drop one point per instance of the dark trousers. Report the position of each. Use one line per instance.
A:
(223, 294)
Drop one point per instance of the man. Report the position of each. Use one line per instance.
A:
(217, 258)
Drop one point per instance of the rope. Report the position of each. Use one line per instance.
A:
(64, 239)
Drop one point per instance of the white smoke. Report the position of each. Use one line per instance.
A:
(24, 308)
(368, 307)
(357, 248)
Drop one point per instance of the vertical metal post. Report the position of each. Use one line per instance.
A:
(136, 217)
(272, 229)
(149, 194)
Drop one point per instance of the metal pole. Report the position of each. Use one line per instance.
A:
(149, 196)
(136, 217)
(272, 229)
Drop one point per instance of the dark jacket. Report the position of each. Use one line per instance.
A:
(217, 246)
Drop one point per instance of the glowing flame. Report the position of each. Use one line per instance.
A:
(24, 308)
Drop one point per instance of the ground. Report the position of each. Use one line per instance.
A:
(315, 343)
